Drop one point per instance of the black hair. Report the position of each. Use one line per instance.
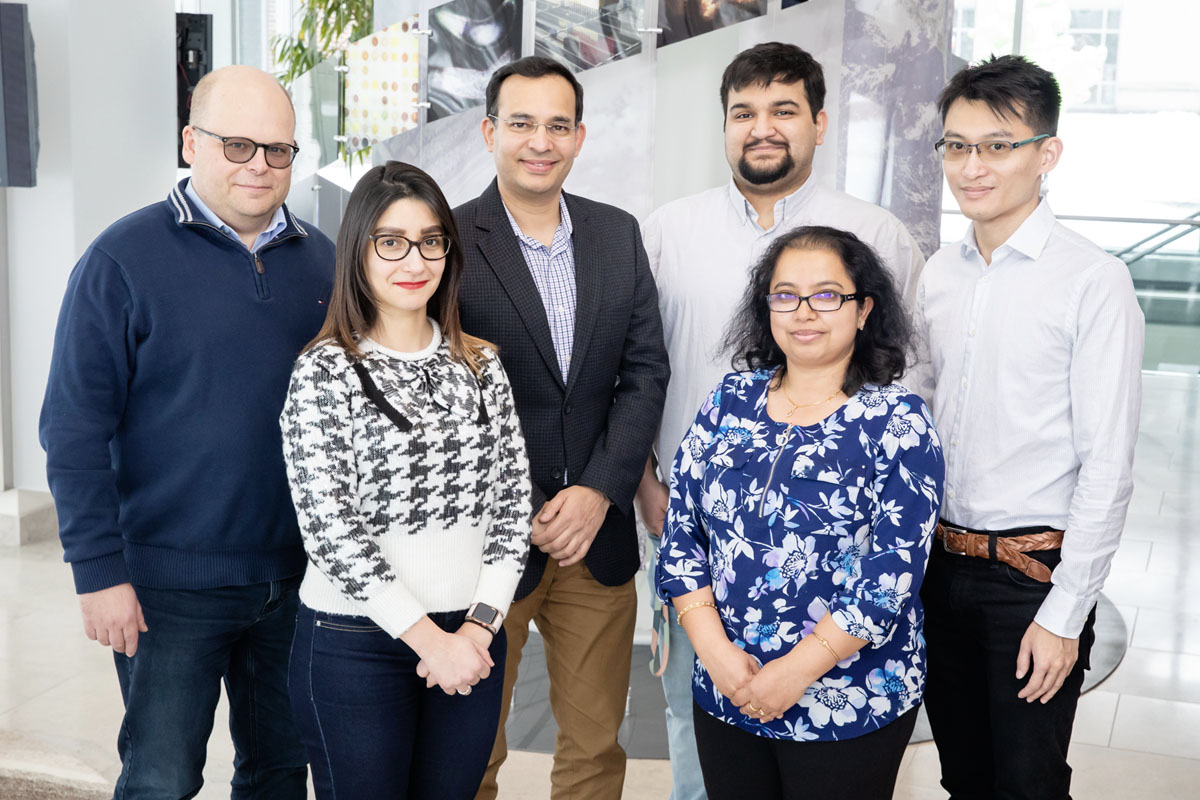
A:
(880, 348)
(532, 67)
(353, 308)
(1011, 86)
(772, 62)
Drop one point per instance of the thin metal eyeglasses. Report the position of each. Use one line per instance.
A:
(239, 150)
(824, 302)
(527, 127)
(393, 247)
(991, 151)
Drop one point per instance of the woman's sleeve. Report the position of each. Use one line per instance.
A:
(909, 477)
(683, 553)
(322, 468)
(507, 544)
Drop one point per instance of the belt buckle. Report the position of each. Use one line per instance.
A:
(946, 539)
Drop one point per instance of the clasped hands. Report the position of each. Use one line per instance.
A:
(764, 692)
(457, 661)
(567, 524)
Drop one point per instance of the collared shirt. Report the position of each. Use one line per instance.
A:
(1032, 365)
(553, 270)
(701, 249)
(278, 221)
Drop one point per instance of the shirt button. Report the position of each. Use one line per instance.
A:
(949, 492)
(954, 441)
(964, 383)
(972, 331)
(556, 474)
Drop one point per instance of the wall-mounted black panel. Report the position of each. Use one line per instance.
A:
(18, 98)
(193, 44)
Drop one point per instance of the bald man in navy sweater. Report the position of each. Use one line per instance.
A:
(171, 362)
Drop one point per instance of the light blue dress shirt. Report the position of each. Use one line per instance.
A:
(278, 222)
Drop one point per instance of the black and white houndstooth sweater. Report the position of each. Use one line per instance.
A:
(400, 523)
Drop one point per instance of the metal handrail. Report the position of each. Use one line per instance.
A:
(1190, 222)
(1194, 219)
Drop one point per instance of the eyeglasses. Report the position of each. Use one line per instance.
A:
(391, 247)
(990, 151)
(239, 150)
(786, 302)
(526, 127)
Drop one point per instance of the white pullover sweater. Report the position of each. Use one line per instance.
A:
(400, 523)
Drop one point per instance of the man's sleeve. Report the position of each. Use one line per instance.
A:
(1106, 398)
(90, 371)
(619, 456)
(902, 256)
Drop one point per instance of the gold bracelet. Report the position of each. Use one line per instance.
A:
(693, 606)
(825, 643)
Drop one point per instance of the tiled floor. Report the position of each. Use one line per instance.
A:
(1136, 736)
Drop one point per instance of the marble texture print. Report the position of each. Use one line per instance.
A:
(471, 38)
(587, 33)
(683, 19)
(894, 57)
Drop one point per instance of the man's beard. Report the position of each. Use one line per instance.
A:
(770, 173)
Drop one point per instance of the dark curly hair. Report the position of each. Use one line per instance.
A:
(880, 348)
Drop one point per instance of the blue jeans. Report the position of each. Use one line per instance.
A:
(370, 725)
(687, 780)
(196, 639)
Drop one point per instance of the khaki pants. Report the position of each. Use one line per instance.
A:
(587, 629)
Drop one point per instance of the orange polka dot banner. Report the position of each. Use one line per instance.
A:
(381, 85)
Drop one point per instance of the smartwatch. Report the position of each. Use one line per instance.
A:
(485, 616)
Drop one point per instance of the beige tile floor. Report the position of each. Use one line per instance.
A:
(1136, 736)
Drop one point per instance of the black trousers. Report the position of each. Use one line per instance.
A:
(992, 744)
(738, 765)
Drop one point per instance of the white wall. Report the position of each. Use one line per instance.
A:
(106, 105)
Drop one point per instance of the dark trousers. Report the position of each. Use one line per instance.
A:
(991, 743)
(371, 727)
(198, 638)
(738, 765)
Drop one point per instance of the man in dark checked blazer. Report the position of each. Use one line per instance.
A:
(562, 286)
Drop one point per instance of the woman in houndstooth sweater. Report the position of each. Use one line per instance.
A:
(411, 483)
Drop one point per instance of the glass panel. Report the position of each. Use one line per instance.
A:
(1086, 18)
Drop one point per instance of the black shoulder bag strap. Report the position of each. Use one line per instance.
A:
(375, 396)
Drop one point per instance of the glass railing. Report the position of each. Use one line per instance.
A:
(1163, 255)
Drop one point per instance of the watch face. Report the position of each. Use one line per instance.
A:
(485, 614)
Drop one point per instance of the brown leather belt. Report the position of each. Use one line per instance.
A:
(1010, 550)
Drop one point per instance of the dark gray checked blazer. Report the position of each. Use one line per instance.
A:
(598, 426)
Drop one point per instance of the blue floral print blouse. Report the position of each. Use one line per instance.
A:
(787, 523)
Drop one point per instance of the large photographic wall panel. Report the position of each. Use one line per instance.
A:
(652, 113)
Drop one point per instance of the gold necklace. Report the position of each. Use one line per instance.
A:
(796, 405)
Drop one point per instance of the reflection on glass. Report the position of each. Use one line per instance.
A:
(683, 19)
(470, 39)
(588, 33)
(316, 95)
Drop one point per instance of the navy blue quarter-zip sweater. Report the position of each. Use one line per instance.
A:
(171, 363)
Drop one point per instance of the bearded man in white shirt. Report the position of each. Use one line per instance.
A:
(701, 249)
(1031, 339)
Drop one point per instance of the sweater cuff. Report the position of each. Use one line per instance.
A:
(394, 609)
(496, 585)
(96, 574)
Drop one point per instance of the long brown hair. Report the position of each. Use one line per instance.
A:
(353, 309)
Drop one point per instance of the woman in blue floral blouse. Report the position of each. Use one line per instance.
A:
(803, 502)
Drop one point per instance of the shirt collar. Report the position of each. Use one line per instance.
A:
(1029, 239)
(783, 207)
(563, 222)
(278, 220)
